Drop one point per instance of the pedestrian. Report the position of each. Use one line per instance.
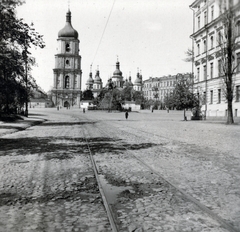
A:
(126, 114)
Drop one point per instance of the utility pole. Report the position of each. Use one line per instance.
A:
(26, 78)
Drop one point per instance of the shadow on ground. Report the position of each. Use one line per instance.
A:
(65, 147)
(65, 123)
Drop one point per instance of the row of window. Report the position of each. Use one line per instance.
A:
(205, 17)
(160, 84)
(205, 48)
(219, 95)
(162, 92)
(207, 45)
(220, 69)
(66, 82)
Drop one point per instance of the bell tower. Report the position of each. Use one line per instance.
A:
(67, 72)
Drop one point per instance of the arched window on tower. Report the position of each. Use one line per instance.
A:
(67, 47)
(67, 82)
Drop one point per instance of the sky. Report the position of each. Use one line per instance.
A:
(147, 35)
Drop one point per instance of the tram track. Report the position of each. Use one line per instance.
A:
(104, 198)
(188, 197)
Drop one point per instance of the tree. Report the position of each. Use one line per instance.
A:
(227, 42)
(127, 93)
(16, 37)
(87, 95)
(138, 97)
(110, 87)
(183, 97)
(189, 55)
(169, 100)
(155, 93)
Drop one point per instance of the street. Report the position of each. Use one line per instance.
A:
(159, 173)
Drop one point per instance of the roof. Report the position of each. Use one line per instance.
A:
(68, 30)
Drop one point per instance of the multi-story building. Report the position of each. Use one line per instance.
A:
(156, 88)
(208, 42)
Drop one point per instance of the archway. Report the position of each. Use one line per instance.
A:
(66, 104)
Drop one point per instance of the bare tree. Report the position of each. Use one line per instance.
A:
(189, 55)
(227, 43)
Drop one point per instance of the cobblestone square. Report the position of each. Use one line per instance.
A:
(161, 173)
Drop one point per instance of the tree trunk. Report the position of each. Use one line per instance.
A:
(230, 113)
(229, 74)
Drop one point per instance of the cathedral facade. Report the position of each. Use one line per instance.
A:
(67, 72)
(95, 84)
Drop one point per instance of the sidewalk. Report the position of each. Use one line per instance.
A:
(26, 122)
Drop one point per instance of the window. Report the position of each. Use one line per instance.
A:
(238, 62)
(67, 82)
(199, 22)
(211, 97)
(219, 95)
(238, 28)
(238, 93)
(205, 45)
(219, 37)
(67, 62)
(204, 98)
(211, 41)
(67, 47)
(198, 49)
(212, 12)
(220, 71)
(205, 17)
(211, 70)
(205, 72)
(198, 73)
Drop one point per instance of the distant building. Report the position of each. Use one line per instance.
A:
(207, 38)
(95, 85)
(67, 72)
(117, 80)
(156, 88)
(39, 99)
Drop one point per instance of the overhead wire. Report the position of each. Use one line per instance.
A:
(100, 41)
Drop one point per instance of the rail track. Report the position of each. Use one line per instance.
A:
(112, 217)
(100, 187)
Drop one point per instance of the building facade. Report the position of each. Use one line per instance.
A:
(208, 41)
(157, 88)
(67, 72)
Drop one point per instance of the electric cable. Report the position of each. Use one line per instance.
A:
(103, 31)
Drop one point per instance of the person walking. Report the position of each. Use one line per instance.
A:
(126, 114)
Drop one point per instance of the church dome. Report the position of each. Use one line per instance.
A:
(130, 82)
(97, 78)
(68, 30)
(138, 80)
(90, 79)
(117, 72)
(125, 84)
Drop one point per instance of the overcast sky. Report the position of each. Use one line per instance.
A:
(152, 35)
